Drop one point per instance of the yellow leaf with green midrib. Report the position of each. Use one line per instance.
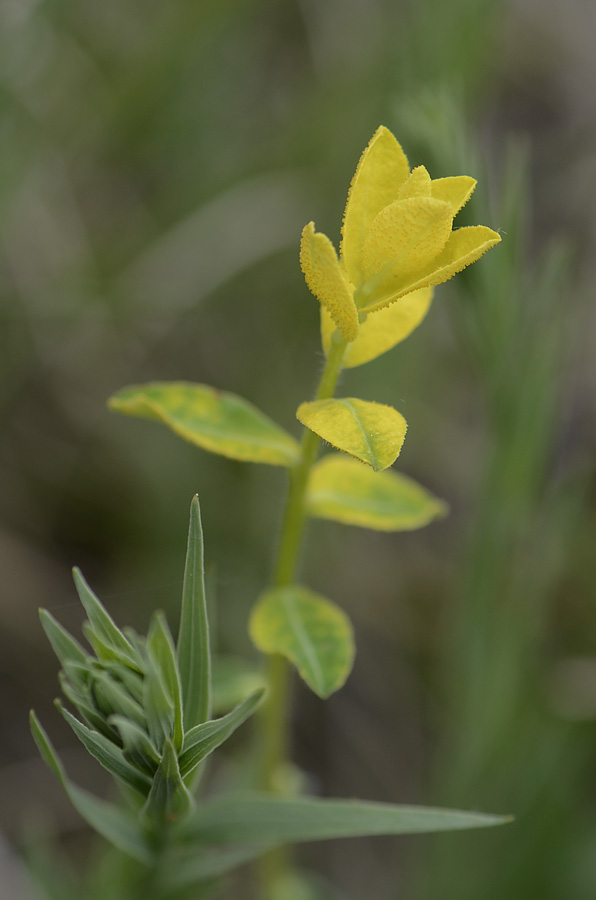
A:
(217, 421)
(372, 432)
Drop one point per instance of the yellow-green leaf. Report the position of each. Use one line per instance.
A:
(327, 280)
(464, 246)
(344, 490)
(372, 432)
(310, 631)
(381, 331)
(214, 420)
(382, 169)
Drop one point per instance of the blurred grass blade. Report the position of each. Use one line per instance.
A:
(310, 631)
(115, 825)
(138, 749)
(214, 420)
(107, 754)
(101, 622)
(194, 655)
(63, 644)
(344, 490)
(161, 648)
(372, 432)
(200, 741)
(169, 798)
(278, 820)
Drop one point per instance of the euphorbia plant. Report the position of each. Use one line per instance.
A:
(144, 704)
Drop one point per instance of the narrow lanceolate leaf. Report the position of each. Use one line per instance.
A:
(214, 420)
(344, 490)
(372, 432)
(169, 798)
(84, 705)
(278, 820)
(310, 631)
(158, 705)
(101, 621)
(138, 749)
(63, 644)
(381, 331)
(194, 655)
(327, 280)
(202, 740)
(381, 171)
(107, 754)
(192, 867)
(107, 653)
(161, 648)
(112, 822)
(110, 697)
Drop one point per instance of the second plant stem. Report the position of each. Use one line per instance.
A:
(275, 716)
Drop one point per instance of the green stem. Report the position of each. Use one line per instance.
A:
(275, 715)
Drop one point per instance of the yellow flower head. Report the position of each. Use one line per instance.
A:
(397, 240)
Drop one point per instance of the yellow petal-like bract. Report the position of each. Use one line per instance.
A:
(371, 432)
(382, 331)
(327, 280)
(397, 238)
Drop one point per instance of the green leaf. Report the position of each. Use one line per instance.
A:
(138, 749)
(194, 654)
(102, 623)
(158, 706)
(111, 698)
(63, 644)
(169, 797)
(278, 820)
(113, 823)
(84, 706)
(344, 490)
(202, 740)
(107, 754)
(310, 631)
(161, 648)
(214, 420)
(195, 867)
(372, 432)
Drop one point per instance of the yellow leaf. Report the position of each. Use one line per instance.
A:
(465, 246)
(345, 491)
(310, 631)
(404, 238)
(214, 420)
(382, 169)
(417, 184)
(383, 330)
(372, 432)
(456, 190)
(327, 280)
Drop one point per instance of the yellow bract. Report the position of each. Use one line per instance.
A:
(397, 238)
(382, 331)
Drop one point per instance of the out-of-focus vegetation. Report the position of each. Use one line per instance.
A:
(157, 163)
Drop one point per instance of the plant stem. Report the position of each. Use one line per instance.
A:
(275, 715)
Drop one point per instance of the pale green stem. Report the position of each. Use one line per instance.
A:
(275, 715)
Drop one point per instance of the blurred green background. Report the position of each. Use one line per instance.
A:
(157, 163)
